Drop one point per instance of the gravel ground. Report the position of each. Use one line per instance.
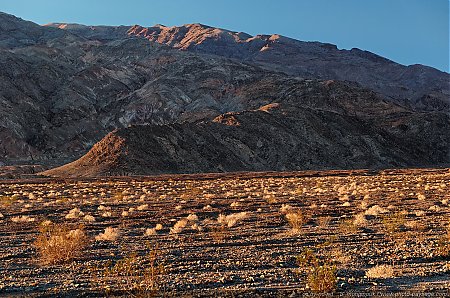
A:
(353, 220)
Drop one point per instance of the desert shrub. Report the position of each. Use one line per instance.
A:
(415, 226)
(110, 234)
(7, 201)
(154, 231)
(138, 276)
(285, 208)
(324, 221)
(270, 198)
(74, 214)
(22, 218)
(348, 226)
(394, 222)
(89, 218)
(322, 279)
(360, 220)
(192, 217)
(57, 243)
(232, 219)
(296, 219)
(179, 226)
(419, 213)
(376, 210)
(189, 221)
(220, 229)
(421, 197)
(443, 246)
(321, 274)
(142, 207)
(380, 271)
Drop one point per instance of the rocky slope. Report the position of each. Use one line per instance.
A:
(64, 87)
(308, 129)
(59, 98)
(420, 86)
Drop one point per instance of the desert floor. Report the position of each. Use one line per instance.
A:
(228, 235)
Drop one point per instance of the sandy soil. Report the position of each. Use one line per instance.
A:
(353, 220)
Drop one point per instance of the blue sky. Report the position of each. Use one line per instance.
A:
(406, 31)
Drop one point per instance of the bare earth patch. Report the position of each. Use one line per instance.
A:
(378, 232)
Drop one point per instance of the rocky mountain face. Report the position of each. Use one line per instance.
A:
(420, 86)
(59, 97)
(318, 125)
(167, 97)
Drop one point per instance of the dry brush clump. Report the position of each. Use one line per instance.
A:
(393, 223)
(376, 210)
(232, 219)
(220, 229)
(134, 275)
(22, 219)
(348, 226)
(58, 243)
(189, 222)
(154, 231)
(443, 246)
(110, 234)
(360, 220)
(75, 213)
(295, 216)
(380, 271)
(320, 274)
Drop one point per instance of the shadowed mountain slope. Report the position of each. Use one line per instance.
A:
(352, 129)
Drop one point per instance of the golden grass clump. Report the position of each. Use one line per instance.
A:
(296, 220)
(57, 243)
(154, 231)
(190, 221)
(376, 210)
(22, 218)
(360, 220)
(110, 234)
(232, 219)
(348, 226)
(74, 214)
(380, 271)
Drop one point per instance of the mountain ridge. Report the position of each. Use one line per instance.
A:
(420, 86)
(63, 90)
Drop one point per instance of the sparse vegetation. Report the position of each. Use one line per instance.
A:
(348, 226)
(443, 248)
(380, 271)
(57, 243)
(321, 274)
(393, 223)
(296, 217)
(232, 219)
(137, 276)
(210, 248)
(360, 220)
(110, 234)
(74, 214)
(22, 219)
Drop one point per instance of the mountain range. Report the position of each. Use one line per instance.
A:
(133, 100)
